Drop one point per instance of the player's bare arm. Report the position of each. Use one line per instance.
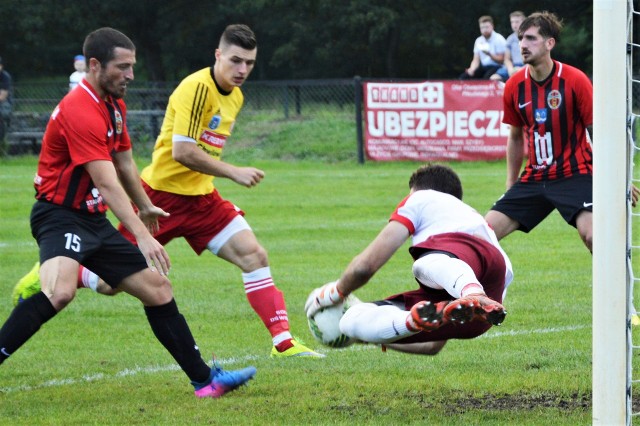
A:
(104, 176)
(515, 154)
(497, 57)
(360, 270)
(475, 63)
(372, 258)
(130, 179)
(189, 155)
(508, 62)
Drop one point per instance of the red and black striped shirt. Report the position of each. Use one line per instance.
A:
(82, 128)
(554, 115)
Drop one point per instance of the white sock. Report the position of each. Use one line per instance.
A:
(442, 272)
(375, 324)
(285, 335)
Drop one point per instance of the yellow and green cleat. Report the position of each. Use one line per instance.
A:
(27, 286)
(297, 350)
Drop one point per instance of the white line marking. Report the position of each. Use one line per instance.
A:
(230, 361)
(539, 331)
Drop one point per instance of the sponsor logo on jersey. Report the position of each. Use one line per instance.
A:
(96, 198)
(554, 99)
(118, 122)
(540, 115)
(214, 123)
(213, 139)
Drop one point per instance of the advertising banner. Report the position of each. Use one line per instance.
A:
(434, 121)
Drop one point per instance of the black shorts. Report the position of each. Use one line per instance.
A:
(529, 203)
(89, 239)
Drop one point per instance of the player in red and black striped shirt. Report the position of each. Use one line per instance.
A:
(86, 164)
(549, 106)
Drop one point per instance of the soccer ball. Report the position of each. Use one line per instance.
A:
(324, 325)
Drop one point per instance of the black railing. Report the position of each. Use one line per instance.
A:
(322, 100)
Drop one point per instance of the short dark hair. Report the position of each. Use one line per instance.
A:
(548, 24)
(485, 18)
(437, 177)
(101, 43)
(239, 35)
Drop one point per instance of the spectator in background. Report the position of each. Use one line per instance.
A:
(6, 99)
(76, 77)
(488, 52)
(512, 56)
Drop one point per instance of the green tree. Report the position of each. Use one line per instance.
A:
(399, 39)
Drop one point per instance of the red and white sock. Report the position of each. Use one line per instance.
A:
(87, 279)
(268, 302)
(472, 288)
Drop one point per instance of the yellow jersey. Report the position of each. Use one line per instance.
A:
(197, 110)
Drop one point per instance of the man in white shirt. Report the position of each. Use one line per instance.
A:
(488, 52)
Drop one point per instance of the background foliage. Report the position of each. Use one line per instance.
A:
(297, 39)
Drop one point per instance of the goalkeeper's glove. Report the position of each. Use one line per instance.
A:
(322, 297)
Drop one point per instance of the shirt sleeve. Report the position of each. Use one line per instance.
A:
(511, 115)
(406, 214)
(85, 130)
(584, 94)
(190, 100)
(500, 44)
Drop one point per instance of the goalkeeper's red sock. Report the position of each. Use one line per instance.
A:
(268, 302)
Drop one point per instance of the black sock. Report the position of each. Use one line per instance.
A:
(25, 320)
(172, 330)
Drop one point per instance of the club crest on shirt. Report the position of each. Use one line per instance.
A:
(215, 122)
(118, 122)
(554, 99)
(540, 115)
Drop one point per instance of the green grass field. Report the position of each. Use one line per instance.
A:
(98, 362)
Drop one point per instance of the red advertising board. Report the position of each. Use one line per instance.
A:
(434, 121)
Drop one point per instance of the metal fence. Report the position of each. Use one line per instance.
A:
(323, 100)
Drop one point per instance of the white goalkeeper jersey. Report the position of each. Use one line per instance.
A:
(426, 213)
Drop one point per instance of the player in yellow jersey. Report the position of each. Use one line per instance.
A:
(187, 157)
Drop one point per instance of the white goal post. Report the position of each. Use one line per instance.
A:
(611, 339)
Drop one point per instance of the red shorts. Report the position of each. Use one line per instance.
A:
(197, 218)
(488, 265)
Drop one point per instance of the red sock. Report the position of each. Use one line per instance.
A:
(270, 307)
(266, 300)
(283, 346)
(80, 271)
